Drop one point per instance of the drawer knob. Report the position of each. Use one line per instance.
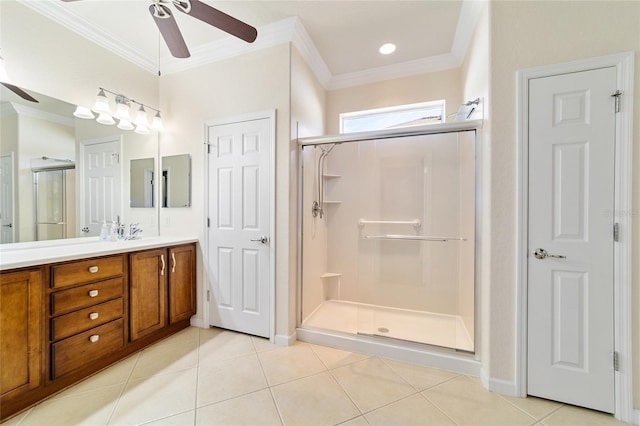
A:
(94, 315)
(93, 269)
(93, 293)
(94, 338)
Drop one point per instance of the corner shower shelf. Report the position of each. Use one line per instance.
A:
(327, 276)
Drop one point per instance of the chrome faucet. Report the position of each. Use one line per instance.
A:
(134, 230)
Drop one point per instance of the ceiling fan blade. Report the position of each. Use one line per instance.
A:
(169, 29)
(18, 91)
(218, 19)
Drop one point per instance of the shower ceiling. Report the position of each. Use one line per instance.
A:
(347, 34)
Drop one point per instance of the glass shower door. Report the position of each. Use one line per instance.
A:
(50, 204)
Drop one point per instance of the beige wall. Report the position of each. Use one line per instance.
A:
(255, 82)
(419, 88)
(528, 34)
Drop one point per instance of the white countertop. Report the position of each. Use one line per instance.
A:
(19, 255)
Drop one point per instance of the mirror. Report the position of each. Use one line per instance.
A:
(142, 179)
(46, 136)
(176, 181)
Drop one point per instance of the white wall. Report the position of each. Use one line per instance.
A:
(526, 34)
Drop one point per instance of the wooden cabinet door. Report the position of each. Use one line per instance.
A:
(182, 282)
(20, 332)
(148, 298)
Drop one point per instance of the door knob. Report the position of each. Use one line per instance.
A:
(262, 240)
(542, 253)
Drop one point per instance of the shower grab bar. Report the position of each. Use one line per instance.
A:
(412, 238)
(415, 222)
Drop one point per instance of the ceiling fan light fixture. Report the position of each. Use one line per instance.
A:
(156, 123)
(105, 118)
(102, 103)
(387, 48)
(84, 113)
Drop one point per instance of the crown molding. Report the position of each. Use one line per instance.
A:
(289, 30)
(55, 11)
(228, 47)
(27, 111)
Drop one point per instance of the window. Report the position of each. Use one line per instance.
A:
(399, 116)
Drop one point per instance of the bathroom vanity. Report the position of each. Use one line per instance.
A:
(68, 311)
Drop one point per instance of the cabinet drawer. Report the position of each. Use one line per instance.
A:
(84, 319)
(80, 350)
(86, 271)
(85, 296)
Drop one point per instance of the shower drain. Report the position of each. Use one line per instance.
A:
(383, 330)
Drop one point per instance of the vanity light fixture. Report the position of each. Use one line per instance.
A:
(122, 114)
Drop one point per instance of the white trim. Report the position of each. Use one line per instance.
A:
(271, 116)
(284, 340)
(28, 111)
(623, 202)
(445, 359)
(280, 32)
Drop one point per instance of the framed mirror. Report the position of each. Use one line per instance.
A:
(142, 183)
(176, 181)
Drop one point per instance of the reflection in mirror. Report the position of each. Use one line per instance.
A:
(176, 181)
(46, 135)
(142, 179)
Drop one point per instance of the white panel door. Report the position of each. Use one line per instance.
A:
(7, 225)
(571, 200)
(101, 197)
(239, 225)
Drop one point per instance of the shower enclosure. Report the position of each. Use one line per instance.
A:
(54, 201)
(388, 235)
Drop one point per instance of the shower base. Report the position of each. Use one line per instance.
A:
(429, 328)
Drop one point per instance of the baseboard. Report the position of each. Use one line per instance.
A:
(500, 386)
(283, 340)
(197, 322)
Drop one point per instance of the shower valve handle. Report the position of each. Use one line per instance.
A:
(262, 240)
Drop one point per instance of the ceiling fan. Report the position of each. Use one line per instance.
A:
(171, 33)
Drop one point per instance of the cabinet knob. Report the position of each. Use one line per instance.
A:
(94, 315)
(94, 338)
(93, 269)
(93, 293)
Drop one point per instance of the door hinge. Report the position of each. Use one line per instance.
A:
(616, 101)
(208, 292)
(616, 232)
(616, 361)
(208, 223)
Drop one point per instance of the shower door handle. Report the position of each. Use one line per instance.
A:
(262, 240)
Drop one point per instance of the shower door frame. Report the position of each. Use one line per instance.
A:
(36, 191)
(455, 127)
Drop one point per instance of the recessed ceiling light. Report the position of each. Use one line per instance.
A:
(387, 48)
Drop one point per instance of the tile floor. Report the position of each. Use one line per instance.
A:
(218, 377)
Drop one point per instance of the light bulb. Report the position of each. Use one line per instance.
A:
(105, 118)
(156, 123)
(387, 48)
(141, 117)
(83, 112)
(102, 104)
(125, 124)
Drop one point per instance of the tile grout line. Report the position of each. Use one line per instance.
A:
(437, 407)
(126, 383)
(195, 400)
(528, 414)
(266, 380)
